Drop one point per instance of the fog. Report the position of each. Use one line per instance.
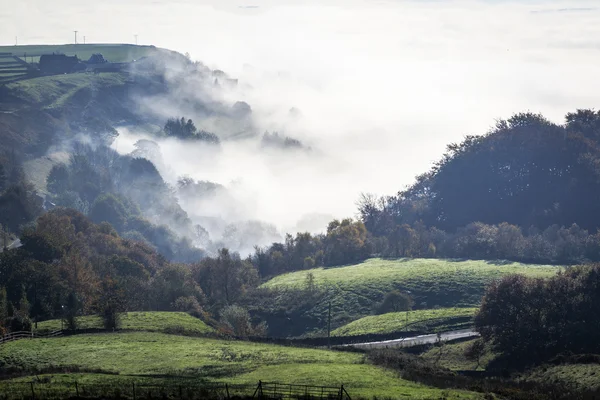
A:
(380, 86)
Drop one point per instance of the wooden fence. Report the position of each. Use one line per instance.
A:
(275, 390)
(40, 390)
(9, 337)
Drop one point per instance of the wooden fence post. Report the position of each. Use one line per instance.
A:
(32, 391)
(133, 384)
(227, 390)
(76, 389)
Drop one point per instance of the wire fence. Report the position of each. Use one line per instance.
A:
(184, 391)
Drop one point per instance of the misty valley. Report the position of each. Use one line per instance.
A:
(173, 230)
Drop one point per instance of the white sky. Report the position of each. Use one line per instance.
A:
(383, 86)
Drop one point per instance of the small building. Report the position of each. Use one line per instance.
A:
(58, 63)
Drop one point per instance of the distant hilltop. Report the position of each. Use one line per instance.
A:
(24, 62)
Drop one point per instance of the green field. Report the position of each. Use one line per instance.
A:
(355, 290)
(442, 319)
(111, 52)
(145, 357)
(156, 321)
(53, 92)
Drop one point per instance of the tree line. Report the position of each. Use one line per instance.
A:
(68, 266)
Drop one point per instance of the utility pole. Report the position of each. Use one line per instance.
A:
(75, 36)
(329, 328)
(135, 38)
(83, 39)
(16, 41)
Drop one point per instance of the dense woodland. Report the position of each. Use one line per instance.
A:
(112, 236)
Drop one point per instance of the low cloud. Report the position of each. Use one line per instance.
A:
(375, 88)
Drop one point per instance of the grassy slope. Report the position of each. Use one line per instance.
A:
(156, 321)
(583, 376)
(52, 92)
(146, 356)
(414, 320)
(453, 357)
(111, 52)
(355, 289)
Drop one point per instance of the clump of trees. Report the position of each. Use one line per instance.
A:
(395, 301)
(68, 266)
(530, 320)
(185, 129)
(345, 242)
(275, 140)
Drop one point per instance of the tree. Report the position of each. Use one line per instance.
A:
(112, 303)
(310, 282)
(346, 242)
(58, 180)
(3, 306)
(71, 310)
(395, 301)
(226, 278)
(474, 351)
(237, 320)
(109, 208)
(19, 205)
(3, 178)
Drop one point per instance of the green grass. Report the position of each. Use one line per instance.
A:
(145, 357)
(355, 290)
(53, 92)
(442, 319)
(111, 52)
(156, 321)
(453, 357)
(583, 376)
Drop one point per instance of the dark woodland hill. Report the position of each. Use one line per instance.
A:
(526, 171)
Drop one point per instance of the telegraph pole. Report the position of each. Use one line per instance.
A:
(75, 36)
(84, 40)
(329, 328)
(135, 36)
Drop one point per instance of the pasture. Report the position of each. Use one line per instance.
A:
(155, 321)
(54, 92)
(122, 358)
(442, 319)
(355, 290)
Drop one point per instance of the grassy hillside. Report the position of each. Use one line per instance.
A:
(426, 320)
(355, 290)
(144, 357)
(111, 52)
(155, 321)
(52, 92)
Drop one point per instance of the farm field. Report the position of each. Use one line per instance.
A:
(146, 357)
(442, 319)
(112, 52)
(355, 290)
(156, 321)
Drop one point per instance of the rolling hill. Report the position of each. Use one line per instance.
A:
(354, 290)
